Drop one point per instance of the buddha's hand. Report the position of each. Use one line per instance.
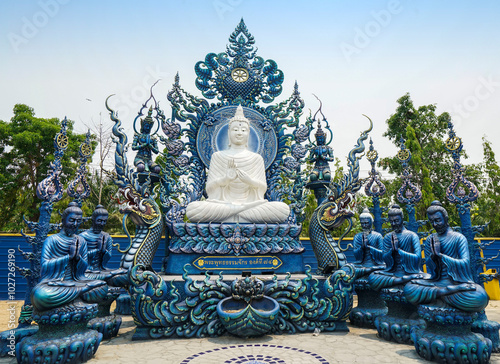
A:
(231, 173)
(61, 283)
(435, 255)
(467, 287)
(117, 272)
(99, 244)
(454, 289)
(436, 258)
(94, 284)
(103, 246)
(73, 250)
(245, 178)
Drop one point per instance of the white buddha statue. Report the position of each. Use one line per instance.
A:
(236, 183)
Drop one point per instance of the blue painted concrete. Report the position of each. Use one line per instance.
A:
(11, 241)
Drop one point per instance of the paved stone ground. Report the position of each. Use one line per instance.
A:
(356, 346)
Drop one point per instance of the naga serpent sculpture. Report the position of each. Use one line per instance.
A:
(335, 210)
(138, 204)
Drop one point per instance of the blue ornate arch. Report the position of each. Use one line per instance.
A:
(197, 128)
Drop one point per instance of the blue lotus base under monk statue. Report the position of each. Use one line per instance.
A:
(63, 336)
(401, 317)
(106, 323)
(488, 329)
(9, 338)
(369, 307)
(448, 338)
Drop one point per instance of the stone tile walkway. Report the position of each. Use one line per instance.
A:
(356, 346)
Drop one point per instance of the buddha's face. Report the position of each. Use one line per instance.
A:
(99, 223)
(71, 223)
(366, 223)
(396, 222)
(239, 131)
(438, 222)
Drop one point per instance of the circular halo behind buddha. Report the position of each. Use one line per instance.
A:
(212, 135)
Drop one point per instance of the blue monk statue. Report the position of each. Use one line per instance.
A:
(401, 254)
(99, 245)
(367, 247)
(65, 299)
(448, 262)
(368, 254)
(448, 301)
(63, 265)
(100, 248)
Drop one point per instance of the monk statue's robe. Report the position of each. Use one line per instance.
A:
(451, 281)
(237, 201)
(367, 248)
(402, 257)
(99, 249)
(62, 274)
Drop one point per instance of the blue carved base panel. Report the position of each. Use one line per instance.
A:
(105, 322)
(123, 305)
(194, 307)
(448, 338)
(401, 317)
(488, 329)
(369, 307)
(234, 264)
(63, 336)
(9, 338)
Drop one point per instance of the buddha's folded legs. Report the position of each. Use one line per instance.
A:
(472, 301)
(54, 294)
(379, 280)
(421, 292)
(210, 211)
(113, 277)
(96, 295)
(261, 211)
(364, 271)
(271, 212)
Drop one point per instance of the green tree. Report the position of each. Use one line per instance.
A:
(103, 191)
(486, 208)
(26, 150)
(424, 132)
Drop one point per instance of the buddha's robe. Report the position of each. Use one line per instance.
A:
(100, 248)
(451, 269)
(237, 201)
(401, 264)
(63, 280)
(367, 249)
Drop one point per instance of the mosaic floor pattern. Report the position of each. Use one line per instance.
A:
(255, 354)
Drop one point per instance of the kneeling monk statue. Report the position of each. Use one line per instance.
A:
(236, 183)
(448, 262)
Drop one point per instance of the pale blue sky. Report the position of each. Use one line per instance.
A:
(358, 57)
